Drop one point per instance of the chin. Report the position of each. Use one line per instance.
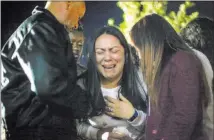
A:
(109, 77)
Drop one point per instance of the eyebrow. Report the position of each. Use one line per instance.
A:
(117, 46)
(103, 49)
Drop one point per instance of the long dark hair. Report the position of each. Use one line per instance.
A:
(157, 41)
(130, 84)
(199, 34)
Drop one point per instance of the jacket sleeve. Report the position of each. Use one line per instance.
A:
(139, 122)
(49, 64)
(185, 90)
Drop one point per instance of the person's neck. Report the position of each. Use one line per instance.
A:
(109, 84)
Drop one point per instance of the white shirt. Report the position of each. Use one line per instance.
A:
(131, 129)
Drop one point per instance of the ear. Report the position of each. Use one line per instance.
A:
(68, 3)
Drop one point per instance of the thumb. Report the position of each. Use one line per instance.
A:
(123, 98)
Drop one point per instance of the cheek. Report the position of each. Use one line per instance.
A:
(99, 63)
(119, 58)
(121, 61)
(79, 48)
(99, 59)
(72, 17)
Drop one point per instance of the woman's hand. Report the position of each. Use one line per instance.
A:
(119, 108)
(100, 132)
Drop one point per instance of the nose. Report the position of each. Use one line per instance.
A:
(74, 46)
(75, 49)
(107, 56)
(76, 25)
(72, 25)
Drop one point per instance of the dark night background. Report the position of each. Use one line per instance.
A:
(97, 14)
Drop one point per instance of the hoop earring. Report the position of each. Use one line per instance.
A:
(68, 5)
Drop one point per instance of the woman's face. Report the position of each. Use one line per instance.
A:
(110, 57)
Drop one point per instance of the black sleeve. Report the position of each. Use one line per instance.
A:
(51, 69)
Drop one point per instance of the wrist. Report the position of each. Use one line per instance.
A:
(134, 116)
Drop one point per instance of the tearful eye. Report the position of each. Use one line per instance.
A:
(114, 50)
(99, 52)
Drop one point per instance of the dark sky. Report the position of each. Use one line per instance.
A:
(97, 14)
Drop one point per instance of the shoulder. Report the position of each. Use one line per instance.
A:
(206, 66)
(205, 62)
(45, 24)
(47, 30)
(203, 58)
(185, 60)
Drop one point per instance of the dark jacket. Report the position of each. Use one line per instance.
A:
(178, 115)
(39, 74)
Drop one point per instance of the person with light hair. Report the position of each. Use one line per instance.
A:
(175, 79)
